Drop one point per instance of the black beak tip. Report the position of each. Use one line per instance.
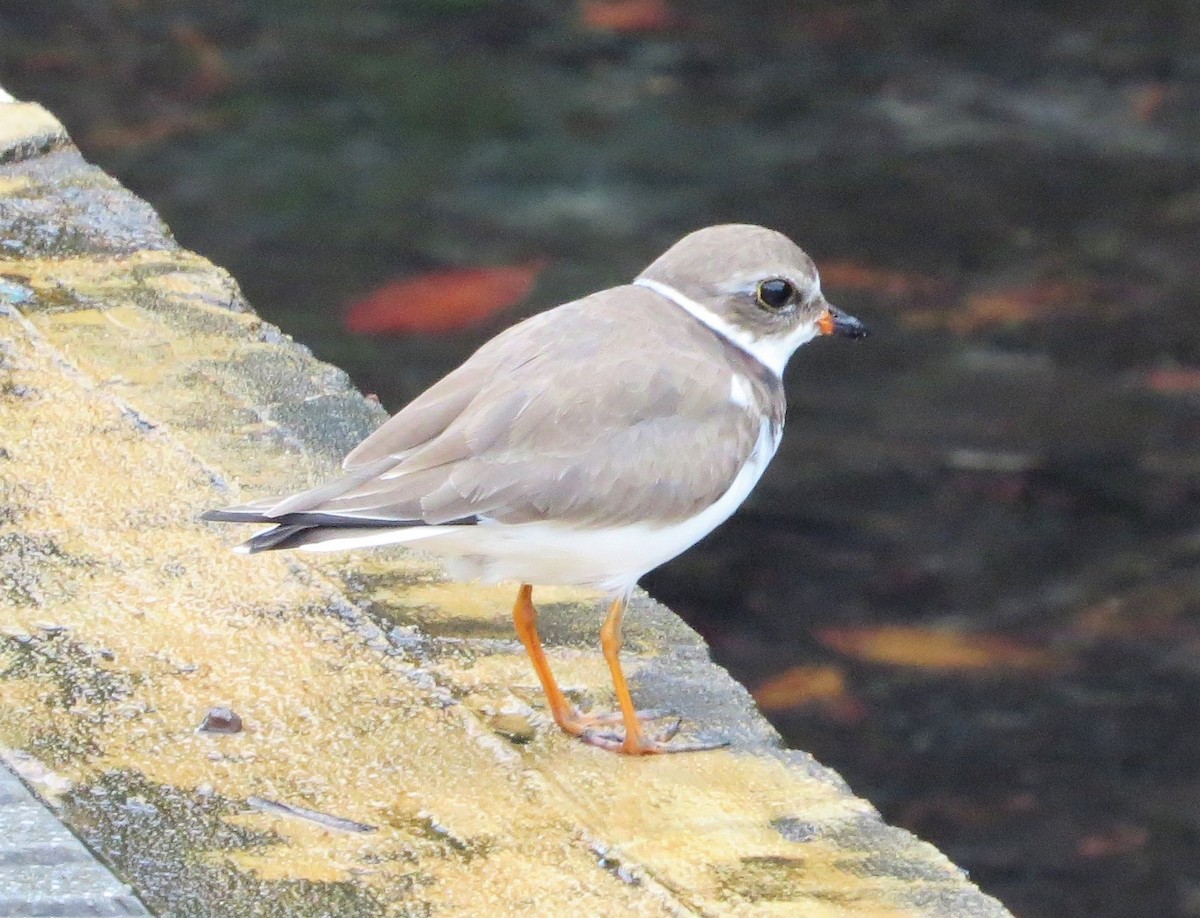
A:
(854, 330)
(846, 326)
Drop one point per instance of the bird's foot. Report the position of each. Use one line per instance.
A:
(579, 724)
(595, 730)
(615, 719)
(641, 744)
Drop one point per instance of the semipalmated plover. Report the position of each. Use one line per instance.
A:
(586, 445)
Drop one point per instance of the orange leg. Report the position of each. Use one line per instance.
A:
(610, 643)
(525, 618)
(634, 742)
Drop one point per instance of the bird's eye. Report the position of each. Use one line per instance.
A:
(775, 294)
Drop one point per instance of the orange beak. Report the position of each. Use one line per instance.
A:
(835, 322)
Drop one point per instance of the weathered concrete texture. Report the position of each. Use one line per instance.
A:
(45, 870)
(395, 756)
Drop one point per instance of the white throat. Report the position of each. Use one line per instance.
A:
(771, 352)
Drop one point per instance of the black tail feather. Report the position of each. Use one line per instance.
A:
(298, 536)
(272, 539)
(294, 530)
(309, 518)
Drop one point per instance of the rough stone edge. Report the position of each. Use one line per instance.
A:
(17, 142)
(35, 840)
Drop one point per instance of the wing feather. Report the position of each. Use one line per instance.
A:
(521, 432)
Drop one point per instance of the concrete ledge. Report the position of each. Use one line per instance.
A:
(394, 756)
(44, 869)
(27, 129)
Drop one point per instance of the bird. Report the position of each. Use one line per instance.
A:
(585, 445)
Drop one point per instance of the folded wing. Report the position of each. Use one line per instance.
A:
(519, 434)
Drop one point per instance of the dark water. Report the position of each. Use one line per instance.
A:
(1009, 193)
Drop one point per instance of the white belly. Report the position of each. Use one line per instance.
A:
(549, 553)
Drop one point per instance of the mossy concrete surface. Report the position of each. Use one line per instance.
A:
(394, 755)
